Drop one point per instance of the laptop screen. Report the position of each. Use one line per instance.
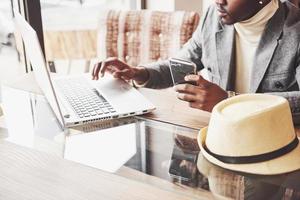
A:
(35, 55)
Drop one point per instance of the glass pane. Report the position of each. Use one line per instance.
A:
(10, 66)
(155, 153)
(71, 28)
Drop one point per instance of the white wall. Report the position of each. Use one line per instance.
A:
(162, 5)
(188, 5)
(171, 5)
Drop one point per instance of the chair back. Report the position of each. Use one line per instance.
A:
(138, 37)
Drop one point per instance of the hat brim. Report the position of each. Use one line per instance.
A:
(284, 164)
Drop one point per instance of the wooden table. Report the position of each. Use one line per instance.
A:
(172, 110)
(28, 174)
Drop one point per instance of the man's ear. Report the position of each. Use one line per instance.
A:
(263, 2)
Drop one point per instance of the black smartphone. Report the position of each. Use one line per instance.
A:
(183, 165)
(179, 69)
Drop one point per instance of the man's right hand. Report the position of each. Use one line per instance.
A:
(120, 70)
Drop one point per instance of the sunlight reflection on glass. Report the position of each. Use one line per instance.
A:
(107, 149)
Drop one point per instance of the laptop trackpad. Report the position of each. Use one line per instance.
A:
(120, 94)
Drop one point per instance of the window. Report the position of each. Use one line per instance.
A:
(10, 66)
(70, 21)
(70, 31)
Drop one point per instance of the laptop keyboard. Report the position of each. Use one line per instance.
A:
(85, 100)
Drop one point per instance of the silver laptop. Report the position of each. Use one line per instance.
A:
(79, 100)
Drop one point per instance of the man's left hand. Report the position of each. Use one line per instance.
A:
(204, 95)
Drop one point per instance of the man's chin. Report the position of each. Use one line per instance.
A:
(227, 21)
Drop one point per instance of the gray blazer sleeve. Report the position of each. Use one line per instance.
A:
(159, 72)
(294, 96)
(294, 101)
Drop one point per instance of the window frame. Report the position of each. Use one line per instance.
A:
(31, 10)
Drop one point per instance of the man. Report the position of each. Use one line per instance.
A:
(247, 46)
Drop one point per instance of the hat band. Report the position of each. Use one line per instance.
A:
(256, 158)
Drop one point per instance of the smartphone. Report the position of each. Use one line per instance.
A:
(179, 69)
(183, 165)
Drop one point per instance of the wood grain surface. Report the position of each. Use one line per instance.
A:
(163, 184)
(27, 174)
(172, 110)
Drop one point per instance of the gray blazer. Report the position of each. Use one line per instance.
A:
(276, 67)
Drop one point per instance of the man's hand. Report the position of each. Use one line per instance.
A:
(120, 70)
(204, 95)
(186, 144)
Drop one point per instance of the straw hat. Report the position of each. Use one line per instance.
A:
(252, 133)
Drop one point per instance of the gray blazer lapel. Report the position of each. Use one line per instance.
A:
(225, 49)
(267, 46)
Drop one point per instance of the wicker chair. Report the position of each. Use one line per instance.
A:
(138, 37)
(133, 36)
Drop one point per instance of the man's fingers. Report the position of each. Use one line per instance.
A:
(110, 69)
(124, 74)
(117, 74)
(191, 77)
(187, 97)
(185, 88)
(199, 98)
(93, 71)
(103, 67)
(126, 78)
(127, 73)
(96, 71)
(113, 62)
(199, 79)
(202, 82)
(197, 106)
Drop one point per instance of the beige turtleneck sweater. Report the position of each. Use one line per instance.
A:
(247, 37)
